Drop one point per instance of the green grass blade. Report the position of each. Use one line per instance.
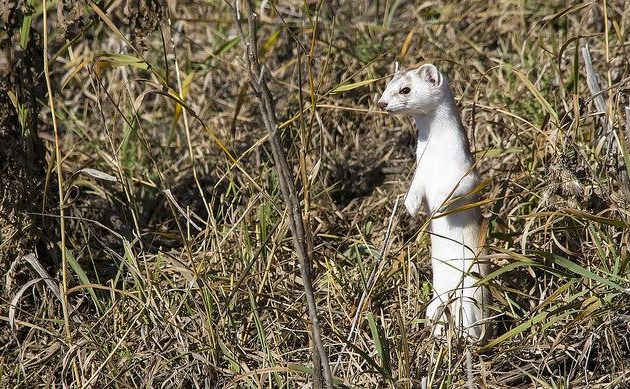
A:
(78, 270)
(579, 270)
(375, 335)
(348, 87)
(528, 84)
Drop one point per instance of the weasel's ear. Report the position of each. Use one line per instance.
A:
(430, 74)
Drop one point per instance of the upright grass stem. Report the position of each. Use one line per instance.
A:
(62, 224)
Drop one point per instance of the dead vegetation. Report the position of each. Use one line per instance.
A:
(181, 269)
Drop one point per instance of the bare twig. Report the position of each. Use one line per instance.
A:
(257, 81)
(371, 281)
(372, 278)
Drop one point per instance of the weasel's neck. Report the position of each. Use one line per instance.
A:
(444, 119)
(441, 134)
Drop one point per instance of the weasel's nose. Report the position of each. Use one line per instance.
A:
(382, 104)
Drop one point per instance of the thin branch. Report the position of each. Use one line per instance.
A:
(378, 265)
(373, 275)
(256, 75)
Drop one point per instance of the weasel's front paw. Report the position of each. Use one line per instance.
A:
(412, 203)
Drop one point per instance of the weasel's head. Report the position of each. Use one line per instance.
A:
(414, 91)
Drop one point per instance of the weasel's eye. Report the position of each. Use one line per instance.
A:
(405, 90)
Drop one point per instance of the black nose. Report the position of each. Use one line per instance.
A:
(382, 104)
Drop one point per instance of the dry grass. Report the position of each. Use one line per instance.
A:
(202, 289)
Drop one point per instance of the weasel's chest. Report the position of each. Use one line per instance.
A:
(442, 173)
(437, 164)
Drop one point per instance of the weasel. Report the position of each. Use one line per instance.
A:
(443, 183)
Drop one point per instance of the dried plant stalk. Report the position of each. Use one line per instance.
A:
(289, 193)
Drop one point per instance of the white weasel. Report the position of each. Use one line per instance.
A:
(444, 179)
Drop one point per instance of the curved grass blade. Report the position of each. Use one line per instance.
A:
(348, 87)
(581, 271)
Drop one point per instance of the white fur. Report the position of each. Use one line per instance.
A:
(444, 177)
